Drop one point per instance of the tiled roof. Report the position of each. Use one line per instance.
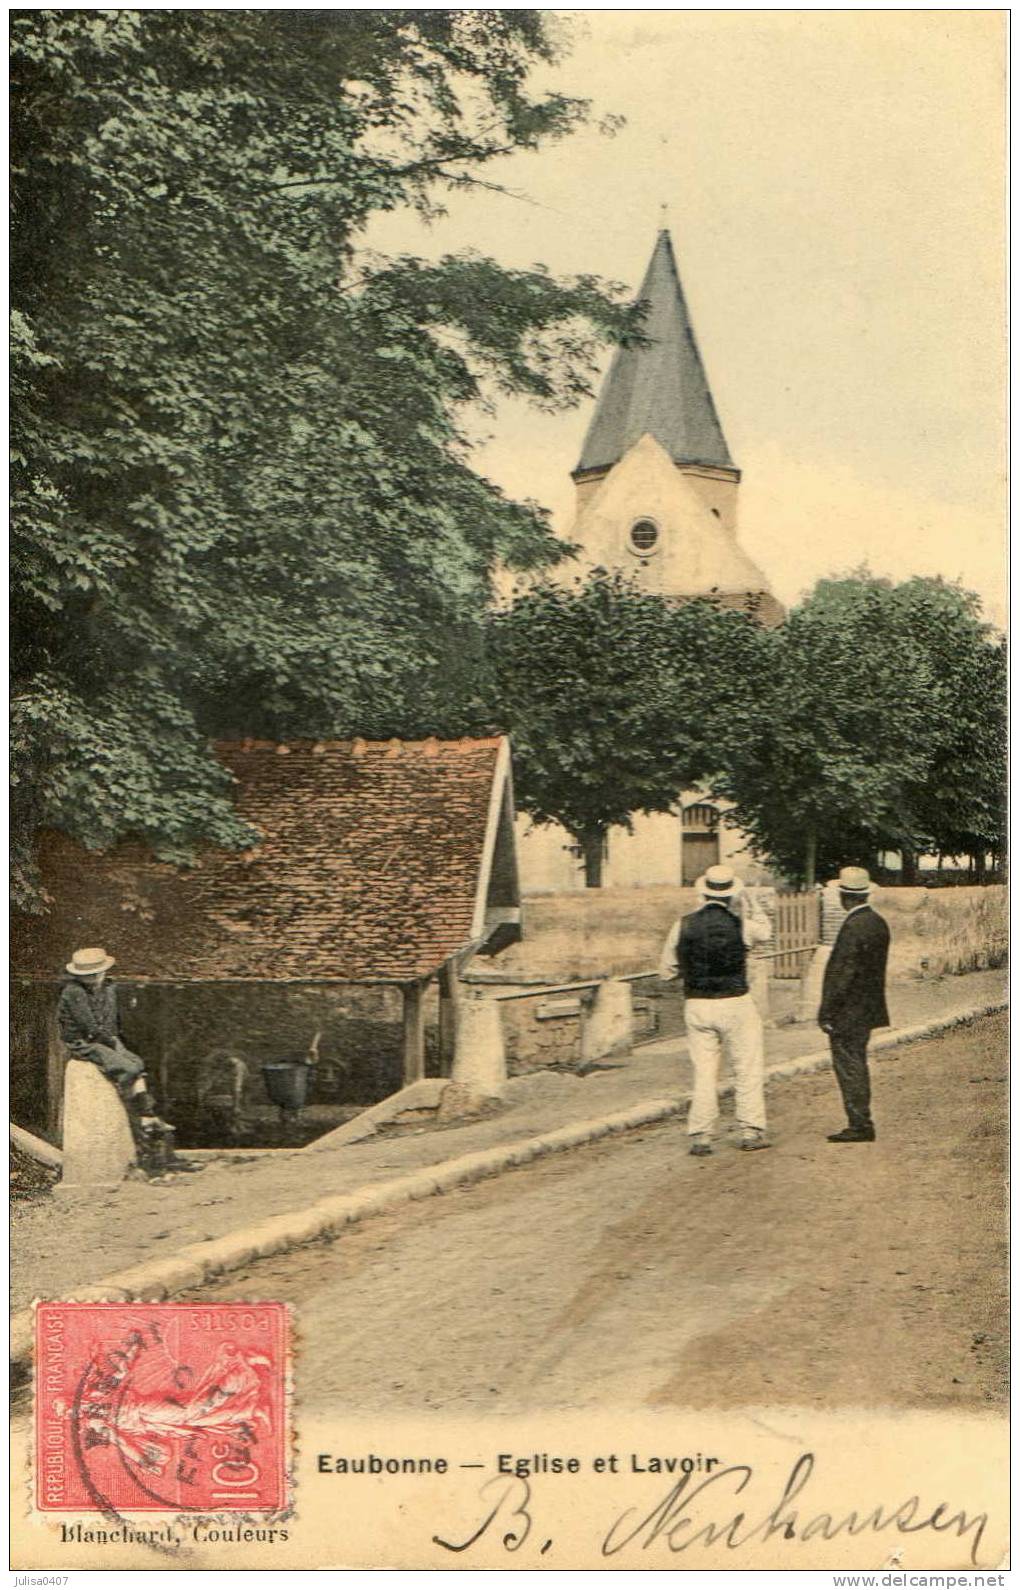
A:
(661, 389)
(368, 869)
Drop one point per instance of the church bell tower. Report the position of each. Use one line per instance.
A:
(656, 484)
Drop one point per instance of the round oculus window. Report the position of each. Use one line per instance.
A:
(644, 535)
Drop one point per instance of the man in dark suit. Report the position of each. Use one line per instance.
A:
(853, 1001)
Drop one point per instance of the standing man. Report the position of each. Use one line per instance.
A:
(88, 1022)
(853, 1001)
(708, 951)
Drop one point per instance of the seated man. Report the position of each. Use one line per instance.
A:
(88, 1023)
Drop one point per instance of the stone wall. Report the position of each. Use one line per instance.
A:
(545, 1030)
(599, 932)
(602, 932)
(647, 856)
(936, 932)
(542, 1032)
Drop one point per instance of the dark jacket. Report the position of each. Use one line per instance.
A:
(853, 990)
(87, 1014)
(711, 956)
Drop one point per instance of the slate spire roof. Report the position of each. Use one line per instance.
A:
(660, 389)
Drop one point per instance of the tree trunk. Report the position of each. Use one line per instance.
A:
(908, 866)
(810, 856)
(592, 845)
(980, 861)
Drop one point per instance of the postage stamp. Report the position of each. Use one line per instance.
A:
(161, 1407)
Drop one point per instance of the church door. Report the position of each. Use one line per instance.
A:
(700, 840)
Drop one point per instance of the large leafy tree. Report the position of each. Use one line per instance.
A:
(243, 497)
(876, 727)
(959, 806)
(616, 699)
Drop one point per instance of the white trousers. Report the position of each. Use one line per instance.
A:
(730, 1027)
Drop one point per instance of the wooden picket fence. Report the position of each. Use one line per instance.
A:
(797, 928)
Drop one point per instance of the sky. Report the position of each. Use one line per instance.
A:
(834, 186)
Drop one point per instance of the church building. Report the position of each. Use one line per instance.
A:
(657, 499)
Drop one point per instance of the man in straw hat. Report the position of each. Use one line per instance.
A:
(708, 951)
(853, 1001)
(88, 1022)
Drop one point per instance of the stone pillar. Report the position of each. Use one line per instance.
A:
(607, 1026)
(479, 1060)
(766, 897)
(98, 1147)
(832, 913)
(758, 985)
(811, 984)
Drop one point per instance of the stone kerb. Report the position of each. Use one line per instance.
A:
(98, 1147)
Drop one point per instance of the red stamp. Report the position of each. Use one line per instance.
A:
(161, 1407)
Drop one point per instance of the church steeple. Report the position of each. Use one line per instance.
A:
(656, 486)
(659, 390)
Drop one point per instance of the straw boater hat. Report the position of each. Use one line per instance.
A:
(719, 883)
(854, 880)
(89, 963)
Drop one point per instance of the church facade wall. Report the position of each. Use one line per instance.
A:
(718, 492)
(716, 488)
(651, 855)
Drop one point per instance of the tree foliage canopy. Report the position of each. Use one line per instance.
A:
(616, 699)
(878, 724)
(872, 719)
(243, 498)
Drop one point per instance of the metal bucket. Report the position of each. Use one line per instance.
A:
(287, 1083)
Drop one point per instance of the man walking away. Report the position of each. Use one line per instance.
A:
(853, 1001)
(708, 951)
(88, 1022)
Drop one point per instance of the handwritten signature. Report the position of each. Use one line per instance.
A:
(701, 1511)
(513, 1497)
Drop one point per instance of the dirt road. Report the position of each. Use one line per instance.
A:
(630, 1274)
